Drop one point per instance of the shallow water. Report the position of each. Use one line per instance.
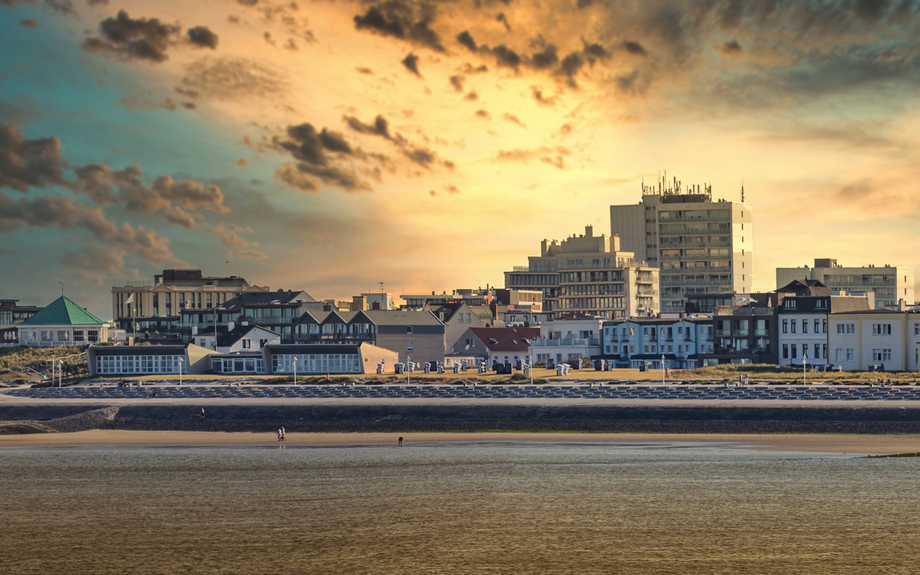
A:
(503, 507)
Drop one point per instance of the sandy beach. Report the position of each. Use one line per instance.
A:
(781, 442)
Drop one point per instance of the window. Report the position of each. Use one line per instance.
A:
(851, 328)
(793, 326)
(785, 326)
(839, 354)
(794, 348)
(409, 346)
(804, 326)
(841, 329)
(886, 355)
(92, 335)
(876, 355)
(805, 350)
(824, 325)
(262, 342)
(408, 329)
(849, 354)
(790, 303)
(824, 350)
(785, 351)
(817, 326)
(917, 329)
(817, 351)
(247, 344)
(881, 329)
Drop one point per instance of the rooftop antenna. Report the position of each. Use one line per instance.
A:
(742, 190)
(62, 288)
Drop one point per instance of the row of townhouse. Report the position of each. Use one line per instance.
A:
(684, 343)
(888, 339)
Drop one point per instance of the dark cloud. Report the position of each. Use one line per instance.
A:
(540, 98)
(469, 69)
(872, 10)
(130, 38)
(28, 23)
(466, 39)
(12, 3)
(55, 211)
(411, 64)
(513, 118)
(634, 47)
(595, 52)
(730, 48)
(471, 96)
(483, 114)
(317, 151)
(506, 57)
(403, 21)
(61, 6)
(241, 163)
(378, 128)
(547, 155)
(500, 17)
(457, 82)
(309, 177)
(28, 163)
(367, 71)
(545, 59)
(570, 66)
(202, 36)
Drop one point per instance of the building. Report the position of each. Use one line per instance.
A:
(493, 345)
(888, 284)
(802, 333)
(568, 339)
(412, 334)
(238, 338)
(589, 275)
(887, 339)
(700, 246)
(273, 310)
(62, 322)
(11, 313)
(471, 297)
(681, 342)
(128, 360)
(321, 359)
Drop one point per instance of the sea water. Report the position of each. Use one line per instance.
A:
(491, 507)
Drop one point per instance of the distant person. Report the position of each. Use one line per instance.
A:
(747, 380)
(666, 371)
(740, 381)
(279, 434)
(201, 415)
(283, 438)
(400, 442)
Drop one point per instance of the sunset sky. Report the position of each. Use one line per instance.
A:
(329, 146)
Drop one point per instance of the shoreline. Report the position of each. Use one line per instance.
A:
(818, 443)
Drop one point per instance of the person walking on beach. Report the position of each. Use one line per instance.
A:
(283, 438)
(400, 442)
(747, 380)
(279, 434)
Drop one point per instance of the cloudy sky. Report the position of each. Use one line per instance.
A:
(331, 145)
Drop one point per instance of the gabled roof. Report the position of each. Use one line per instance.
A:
(506, 338)
(62, 311)
(267, 298)
(399, 317)
(805, 287)
(229, 338)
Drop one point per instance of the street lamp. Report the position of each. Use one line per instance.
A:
(662, 369)
(295, 370)
(60, 374)
(181, 367)
(805, 367)
(408, 361)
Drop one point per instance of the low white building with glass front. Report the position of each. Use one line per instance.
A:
(327, 359)
(135, 360)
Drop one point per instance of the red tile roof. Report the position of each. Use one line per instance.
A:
(506, 338)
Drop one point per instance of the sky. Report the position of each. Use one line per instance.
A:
(337, 146)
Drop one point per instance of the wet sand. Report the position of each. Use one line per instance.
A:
(874, 444)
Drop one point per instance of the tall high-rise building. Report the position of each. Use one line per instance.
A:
(889, 284)
(700, 246)
(589, 274)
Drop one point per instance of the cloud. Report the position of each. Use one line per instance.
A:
(55, 211)
(247, 254)
(416, 154)
(233, 79)
(366, 71)
(141, 38)
(547, 155)
(126, 187)
(472, 96)
(316, 152)
(634, 48)
(540, 98)
(28, 23)
(403, 21)
(545, 59)
(411, 64)
(506, 57)
(483, 114)
(28, 163)
(466, 39)
(513, 118)
(95, 258)
(730, 48)
(241, 163)
(203, 37)
(135, 102)
(457, 82)
(500, 17)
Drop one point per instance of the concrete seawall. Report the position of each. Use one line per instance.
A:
(466, 418)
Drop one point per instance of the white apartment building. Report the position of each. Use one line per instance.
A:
(889, 284)
(700, 246)
(568, 339)
(802, 334)
(859, 339)
(680, 341)
(589, 275)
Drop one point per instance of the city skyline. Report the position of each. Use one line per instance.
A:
(331, 146)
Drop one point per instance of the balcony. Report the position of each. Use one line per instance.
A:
(332, 337)
(566, 341)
